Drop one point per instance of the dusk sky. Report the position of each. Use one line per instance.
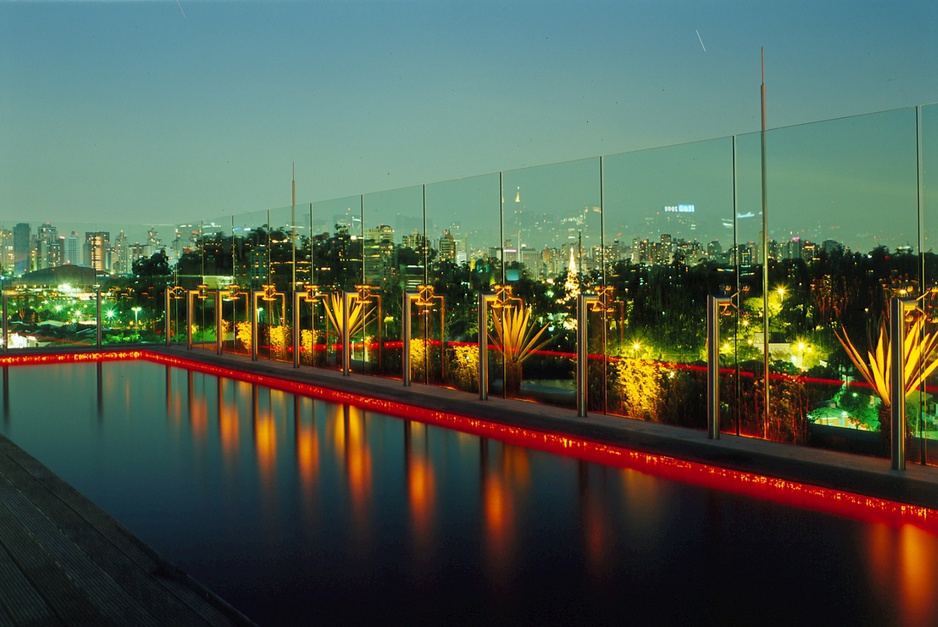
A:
(170, 111)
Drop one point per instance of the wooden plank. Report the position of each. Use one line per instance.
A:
(106, 594)
(171, 596)
(62, 593)
(20, 602)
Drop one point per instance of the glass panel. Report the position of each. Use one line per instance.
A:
(395, 252)
(336, 267)
(463, 220)
(927, 428)
(843, 240)
(669, 242)
(552, 239)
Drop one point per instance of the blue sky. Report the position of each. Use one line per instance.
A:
(164, 112)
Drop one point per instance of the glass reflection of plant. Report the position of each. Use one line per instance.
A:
(874, 367)
(517, 339)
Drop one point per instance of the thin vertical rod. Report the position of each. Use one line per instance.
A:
(361, 234)
(920, 207)
(425, 243)
(737, 290)
(897, 381)
(312, 248)
(293, 230)
(603, 261)
(501, 225)
(765, 270)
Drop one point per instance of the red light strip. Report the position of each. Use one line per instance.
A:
(790, 493)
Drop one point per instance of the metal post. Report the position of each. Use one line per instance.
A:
(219, 333)
(296, 328)
(167, 321)
(4, 323)
(189, 317)
(254, 333)
(97, 298)
(483, 347)
(582, 355)
(897, 309)
(346, 336)
(405, 355)
(714, 303)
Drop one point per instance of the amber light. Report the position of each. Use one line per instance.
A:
(791, 493)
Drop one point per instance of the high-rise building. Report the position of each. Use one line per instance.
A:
(97, 250)
(72, 251)
(21, 236)
(448, 247)
(7, 264)
(49, 254)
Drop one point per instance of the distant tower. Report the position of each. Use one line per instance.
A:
(571, 284)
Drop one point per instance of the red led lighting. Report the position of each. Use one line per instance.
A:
(790, 493)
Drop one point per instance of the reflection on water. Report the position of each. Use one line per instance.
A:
(290, 507)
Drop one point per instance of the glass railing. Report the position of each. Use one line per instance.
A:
(646, 236)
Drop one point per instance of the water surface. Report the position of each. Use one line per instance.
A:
(297, 510)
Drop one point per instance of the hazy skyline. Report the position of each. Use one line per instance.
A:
(164, 112)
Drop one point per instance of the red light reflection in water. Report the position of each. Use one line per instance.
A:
(837, 502)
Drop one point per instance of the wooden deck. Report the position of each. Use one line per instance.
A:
(65, 561)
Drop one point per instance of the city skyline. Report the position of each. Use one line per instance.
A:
(117, 110)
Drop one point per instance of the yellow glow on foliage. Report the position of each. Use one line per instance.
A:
(919, 348)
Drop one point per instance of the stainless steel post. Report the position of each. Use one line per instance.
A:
(219, 332)
(582, 354)
(897, 309)
(346, 335)
(296, 328)
(254, 321)
(4, 322)
(167, 320)
(189, 317)
(97, 299)
(483, 347)
(405, 354)
(714, 303)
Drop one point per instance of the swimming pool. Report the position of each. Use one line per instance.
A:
(296, 509)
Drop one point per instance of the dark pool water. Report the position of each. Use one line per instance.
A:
(299, 511)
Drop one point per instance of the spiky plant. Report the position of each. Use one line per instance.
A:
(874, 368)
(356, 314)
(514, 335)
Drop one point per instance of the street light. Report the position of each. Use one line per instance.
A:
(136, 311)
